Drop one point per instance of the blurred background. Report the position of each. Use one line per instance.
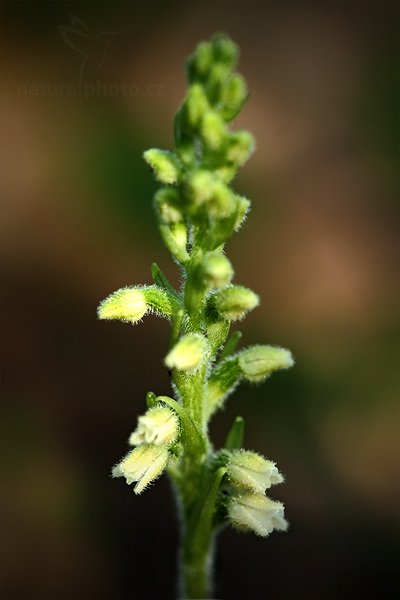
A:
(87, 87)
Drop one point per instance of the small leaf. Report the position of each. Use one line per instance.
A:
(161, 280)
(151, 399)
(191, 436)
(231, 344)
(222, 383)
(234, 440)
(200, 525)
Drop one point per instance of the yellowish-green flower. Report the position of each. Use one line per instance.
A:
(143, 464)
(253, 472)
(159, 426)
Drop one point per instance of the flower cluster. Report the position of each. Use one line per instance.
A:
(250, 476)
(157, 430)
(197, 211)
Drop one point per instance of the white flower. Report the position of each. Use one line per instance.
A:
(252, 471)
(158, 426)
(258, 513)
(144, 464)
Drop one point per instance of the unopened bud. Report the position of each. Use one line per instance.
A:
(225, 50)
(239, 147)
(199, 187)
(143, 464)
(175, 238)
(257, 513)
(188, 353)
(222, 202)
(164, 164)
(166, 202)
(258, 362)
(216, 270)
(233, 303)
(158, 426)
(233, 97)
(252, 471)
(200, 62)
(127, 304)
(196, 104)
(213, 130)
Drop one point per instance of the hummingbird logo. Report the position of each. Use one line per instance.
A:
(92, 46)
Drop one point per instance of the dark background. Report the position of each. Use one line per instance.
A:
(319, 248)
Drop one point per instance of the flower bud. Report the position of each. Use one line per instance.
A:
(257, 513)
(196, 105)
(143, 464)
(239, 147)
(258, 362)
(175, 237)
(233, 97)
(166, 201)
(212, 130)
(200, 62)
(222, 202)
(164, 164)
(233, 303)
(253, 472)
(159, 426)
(130, 304)
(199, 187)
(188, 353)
(127, 304)
(225, 50)
(216, 270)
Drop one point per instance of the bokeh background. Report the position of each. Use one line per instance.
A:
(319, 247)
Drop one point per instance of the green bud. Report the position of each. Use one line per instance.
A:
(199, 64)
(161, 302)
(127, 304)
(199, 187)
(251, 471)
(196, 105)
(130, 304)
(234, 95)
(165, 165)
(216, 82)
(225, 50)
(239, 147)
(188, 354)
(233, 303)
(175, 237)
(166, 201)
(216, 270)
(259, 362)
(222, 202)
(226, 173)
(213, 130)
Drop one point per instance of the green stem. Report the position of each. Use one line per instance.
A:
(196, 569)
